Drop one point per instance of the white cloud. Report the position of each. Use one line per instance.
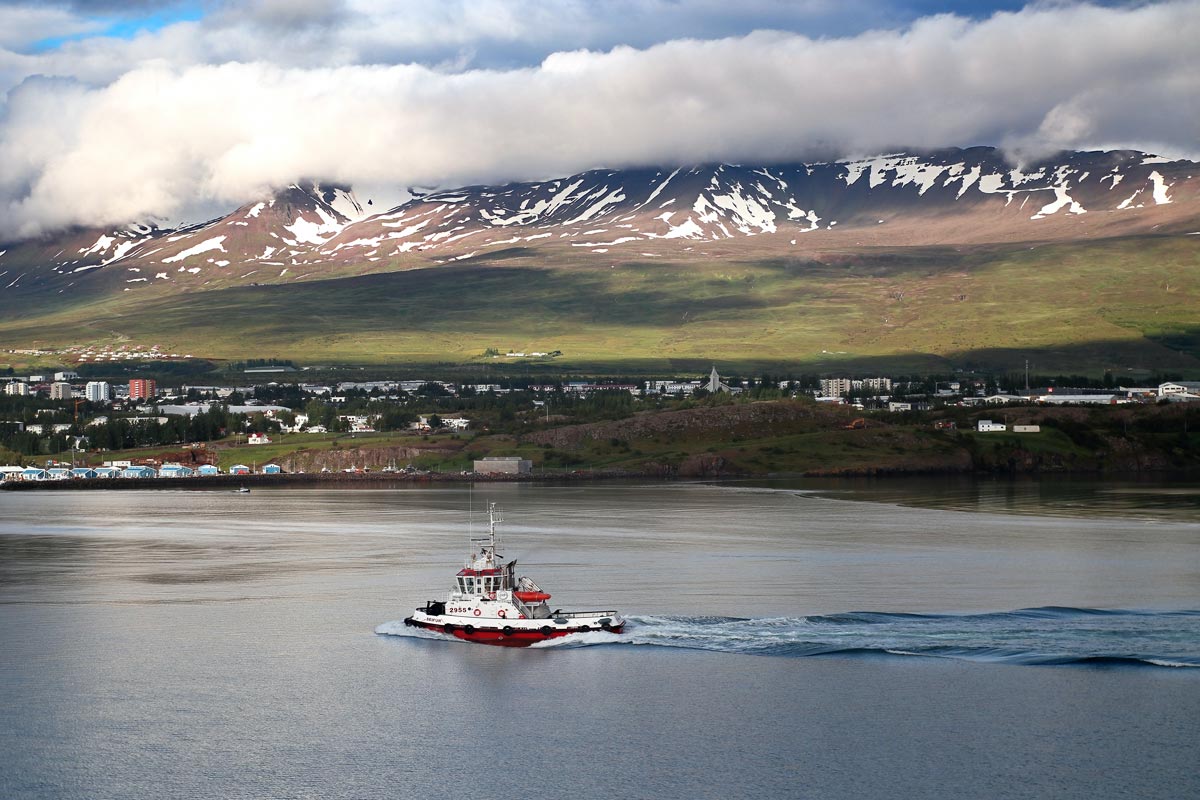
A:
(24, 25)
(168, 136)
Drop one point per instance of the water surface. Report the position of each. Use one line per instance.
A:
(784, 644)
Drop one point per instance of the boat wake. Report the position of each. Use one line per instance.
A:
(1033, 636)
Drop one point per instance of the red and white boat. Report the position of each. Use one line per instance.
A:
(490, 605)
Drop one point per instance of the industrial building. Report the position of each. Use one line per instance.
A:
(509, 465)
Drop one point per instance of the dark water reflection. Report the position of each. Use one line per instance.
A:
(1153, 497)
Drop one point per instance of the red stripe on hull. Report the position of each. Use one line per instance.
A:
(518, 638)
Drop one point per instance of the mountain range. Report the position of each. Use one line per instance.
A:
(948, 213)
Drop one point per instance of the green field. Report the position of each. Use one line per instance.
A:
(1130, 305)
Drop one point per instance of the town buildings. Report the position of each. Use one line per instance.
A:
(142, 389)
(97, 392)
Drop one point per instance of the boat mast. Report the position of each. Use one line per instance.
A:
(489, 545)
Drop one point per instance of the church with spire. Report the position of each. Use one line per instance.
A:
(714, 383)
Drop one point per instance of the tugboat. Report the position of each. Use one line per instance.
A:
(490, 605)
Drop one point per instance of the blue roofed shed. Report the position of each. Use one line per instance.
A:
(139, 472)
(175, 471)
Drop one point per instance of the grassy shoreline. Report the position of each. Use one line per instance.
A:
(740, 439)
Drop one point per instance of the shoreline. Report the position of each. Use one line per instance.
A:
(302, 479)
(402, 478)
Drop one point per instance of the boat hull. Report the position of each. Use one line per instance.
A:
(507, 635)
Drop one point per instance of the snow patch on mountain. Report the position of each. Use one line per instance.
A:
(308, 232)
(121, 251)
(100, 246)
(216, 243)
(1061, 200)
(345, 203)
(1160, 189)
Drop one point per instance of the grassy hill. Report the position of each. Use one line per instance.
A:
(1131, 305)
(724, 436)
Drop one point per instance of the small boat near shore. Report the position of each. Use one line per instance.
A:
(489, 604)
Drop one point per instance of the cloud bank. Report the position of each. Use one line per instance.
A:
(167, 135)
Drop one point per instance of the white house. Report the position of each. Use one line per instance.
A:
(1178, 387)
(258, 438)
(358, 424)
(672, 387)
(987, 426)
(448, 423)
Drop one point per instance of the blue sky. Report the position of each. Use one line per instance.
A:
(125, 23)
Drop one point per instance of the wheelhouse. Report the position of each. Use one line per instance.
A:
(485, 582)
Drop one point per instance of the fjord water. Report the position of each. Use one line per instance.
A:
(785, 642)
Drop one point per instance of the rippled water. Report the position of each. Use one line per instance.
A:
(205, 644)
(1032, 636)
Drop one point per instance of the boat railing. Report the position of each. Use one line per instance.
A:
(576, 614)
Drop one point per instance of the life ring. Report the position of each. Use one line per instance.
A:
(547, 630)
(502, 614)
(478, 612)
(507, 630)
